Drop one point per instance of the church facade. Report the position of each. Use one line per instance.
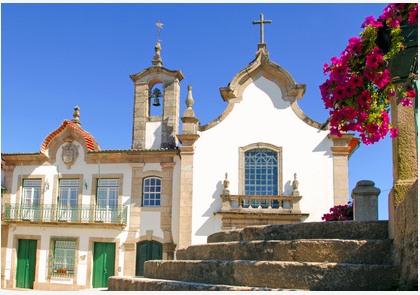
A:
(74, 214)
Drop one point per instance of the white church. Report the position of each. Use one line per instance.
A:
(74, 214)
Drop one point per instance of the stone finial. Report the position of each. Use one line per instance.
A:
(189, 112)
(157, 60)
(365, 201)
(226, 185)
(76, 115)
(295, 185)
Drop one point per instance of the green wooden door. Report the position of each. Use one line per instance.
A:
(26, 262)
(148, 250)
(103, 264)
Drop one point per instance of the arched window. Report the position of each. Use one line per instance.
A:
(261, 172)
(156, 101)
(152, 187)
(261, 176)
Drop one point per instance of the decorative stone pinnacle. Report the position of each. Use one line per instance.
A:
(295, 185)
(226, 185)
(157, 60)
(76, 115)
(190, 100)
(189, 112)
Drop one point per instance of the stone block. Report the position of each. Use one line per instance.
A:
(365, 201)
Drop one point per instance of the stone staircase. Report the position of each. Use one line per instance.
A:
(340, 256)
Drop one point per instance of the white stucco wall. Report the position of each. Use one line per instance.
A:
(261, 116)
(153, 135)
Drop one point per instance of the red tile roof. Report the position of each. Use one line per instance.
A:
(90, 141)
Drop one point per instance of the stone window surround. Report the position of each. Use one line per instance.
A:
(56, 186)
(147, 174)
(160, 193)
(95, 177)
(51, 254)
(260, 145)
(20, 186)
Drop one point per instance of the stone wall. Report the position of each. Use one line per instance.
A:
(406, 236)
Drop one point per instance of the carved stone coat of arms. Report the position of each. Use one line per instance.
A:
(70, 154)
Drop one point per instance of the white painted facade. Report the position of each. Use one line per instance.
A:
(261, 116)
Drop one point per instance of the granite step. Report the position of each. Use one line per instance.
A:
(331, 250)
(277, 274)
(350, 230)
(146, 284)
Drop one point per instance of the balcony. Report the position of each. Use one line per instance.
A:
(85, 214)
(239, 211)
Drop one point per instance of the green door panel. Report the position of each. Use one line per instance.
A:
(103, 264)
(26, 262)
(148, 250)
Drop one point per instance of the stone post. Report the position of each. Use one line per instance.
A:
(403, 198)
(365, 201)
(188, 137)
(341, 151)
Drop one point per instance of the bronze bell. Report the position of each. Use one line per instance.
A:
(156, 94)
(156, 102)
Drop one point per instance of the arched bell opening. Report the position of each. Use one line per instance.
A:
(156, 98)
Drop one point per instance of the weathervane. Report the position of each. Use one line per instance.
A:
(261, 22)
(159, 25)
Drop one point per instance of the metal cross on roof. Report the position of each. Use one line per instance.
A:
(261, 22)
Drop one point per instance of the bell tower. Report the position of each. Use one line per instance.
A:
(156, 106)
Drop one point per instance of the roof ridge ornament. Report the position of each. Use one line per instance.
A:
(157, 60)
(76, 115)
(261, 22)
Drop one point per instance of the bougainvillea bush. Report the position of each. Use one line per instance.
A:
(340, 212)
(359, 87)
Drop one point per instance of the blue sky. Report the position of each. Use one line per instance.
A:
(57, 56)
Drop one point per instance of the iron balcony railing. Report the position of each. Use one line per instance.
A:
(57, 213)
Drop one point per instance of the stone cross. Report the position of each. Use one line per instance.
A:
(261, 22)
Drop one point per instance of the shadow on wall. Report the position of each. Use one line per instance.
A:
(324, 147)
(268, 87)
(211, 225)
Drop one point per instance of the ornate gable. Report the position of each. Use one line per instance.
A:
(69, 131)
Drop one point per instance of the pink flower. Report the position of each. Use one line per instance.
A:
(370, 20)
(394, 132)
(406, 102)
(385, 116)
(356, 81)
(374, 59)
(327, 68)
(369, 75)
(334, 131)
(355, 45)
(411, 93)
(395, 22)
(339, 92)
(364, 98)
(413, 16)
(383, 79)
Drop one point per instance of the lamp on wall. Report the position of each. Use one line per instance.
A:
(46, 185)
(85, 184)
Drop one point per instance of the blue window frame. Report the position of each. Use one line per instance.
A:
(152, 187)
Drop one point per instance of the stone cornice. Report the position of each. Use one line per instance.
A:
(151, 71)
